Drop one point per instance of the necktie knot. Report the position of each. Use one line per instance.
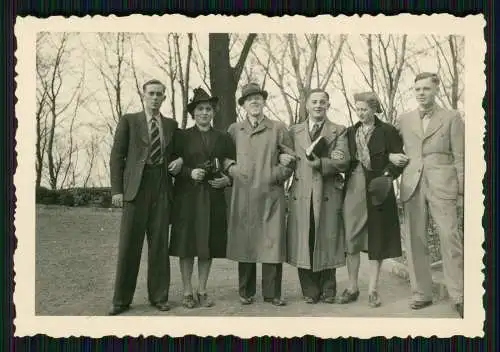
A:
(315, 130)
(424, 113)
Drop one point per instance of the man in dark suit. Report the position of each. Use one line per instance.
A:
(142, 164)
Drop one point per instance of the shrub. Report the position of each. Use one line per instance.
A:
(66, 198)
(44, 195)
(97, 196)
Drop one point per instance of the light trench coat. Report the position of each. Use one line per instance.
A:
(256, 224)
(324, 188)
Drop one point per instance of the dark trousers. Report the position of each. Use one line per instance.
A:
(320, 283)
(146, 215)
(271, 279)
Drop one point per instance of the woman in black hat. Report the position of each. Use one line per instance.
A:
(199, 226)
(370, 211)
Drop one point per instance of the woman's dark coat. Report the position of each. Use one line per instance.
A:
(384, 236)
(199, 224)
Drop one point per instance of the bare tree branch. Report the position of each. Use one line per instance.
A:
(243, 56)
(333, 61)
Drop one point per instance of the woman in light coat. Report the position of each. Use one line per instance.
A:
(370, 210)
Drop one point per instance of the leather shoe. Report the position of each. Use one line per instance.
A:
(328, 299)
(115, 310)
(460, 309)
(162, 306)
(420, 304)
(275, 301)
(246, 300)
(310, 300)
(347, 297)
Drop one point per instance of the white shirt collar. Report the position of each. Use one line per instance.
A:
(253, 119)
(149, 117)
(312, 123)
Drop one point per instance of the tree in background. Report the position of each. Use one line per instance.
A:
(382, 73)
(449, 53)
(224, 78)
(293, 65)
(167, 51)
(78, 105)
(54, 101)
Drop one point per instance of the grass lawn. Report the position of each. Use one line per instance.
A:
(76, 251)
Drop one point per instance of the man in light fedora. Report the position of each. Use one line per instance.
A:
(432, 184)
(256, 229)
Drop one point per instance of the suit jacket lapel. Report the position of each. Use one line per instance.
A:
(416, 124)
(167, 132)
(328, 131)
(246, 127)
(264, 123)
(304, 138)
(143, 127)
(434, 123)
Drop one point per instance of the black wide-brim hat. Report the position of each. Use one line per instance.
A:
(251, 89)
(200, 96)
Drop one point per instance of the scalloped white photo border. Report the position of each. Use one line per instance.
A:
(27, 323)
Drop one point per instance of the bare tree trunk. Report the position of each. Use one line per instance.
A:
(40, 136)
(91, 157)
(223, 77)
(278, 64)
(370, 61)
(303, 85)
(344, 91)
(454, 81)
(54, 86)
(184, 77)
(172, 74)
(134, 73)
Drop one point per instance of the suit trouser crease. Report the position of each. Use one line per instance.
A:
(145, 215)
(314, 284)
(444, 214)
(272, 274)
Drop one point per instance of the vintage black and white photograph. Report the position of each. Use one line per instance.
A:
(185, 172)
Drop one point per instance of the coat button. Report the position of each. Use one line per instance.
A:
(296, 178)
(325, 199)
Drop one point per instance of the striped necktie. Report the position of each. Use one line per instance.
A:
(315, 130)
(155, 142)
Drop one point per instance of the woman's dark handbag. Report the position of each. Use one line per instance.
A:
(379, 188)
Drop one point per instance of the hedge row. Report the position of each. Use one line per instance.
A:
(74, 197)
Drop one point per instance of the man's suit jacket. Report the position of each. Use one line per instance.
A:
(131, 150)
(436, 155)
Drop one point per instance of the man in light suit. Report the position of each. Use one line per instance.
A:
(432, 182)
(142, 164)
